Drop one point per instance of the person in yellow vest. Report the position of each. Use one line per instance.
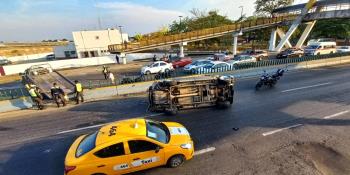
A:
(36, 97)
(78, 92)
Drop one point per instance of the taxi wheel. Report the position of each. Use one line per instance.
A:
(176, 161)
(98, 174)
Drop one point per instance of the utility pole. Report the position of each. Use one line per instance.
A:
(121, 34)
(98, 17)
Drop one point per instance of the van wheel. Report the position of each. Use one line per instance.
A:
(176, 161)
(223, 104)
(148, 72)
(171, 111)
(318, 53)
(332, 52)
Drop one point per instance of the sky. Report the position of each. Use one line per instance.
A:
(36, 20)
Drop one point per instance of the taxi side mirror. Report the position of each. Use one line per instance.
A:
(157, 149)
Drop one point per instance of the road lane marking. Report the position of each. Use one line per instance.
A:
(79, 129)
(307, 87)
(282, 129)
(336, 115)
(96, 126)
(203, 151)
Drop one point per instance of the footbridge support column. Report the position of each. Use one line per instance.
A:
(235, 43)
(305, 34)
(123, 57)
(182, 53)
(273, 38)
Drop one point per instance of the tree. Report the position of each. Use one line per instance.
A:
(138, 37)
(335, 28)
(266, 7)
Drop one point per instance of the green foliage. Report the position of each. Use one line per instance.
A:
(199, 20)
(266, 7)
(335, 28)
(138, 37)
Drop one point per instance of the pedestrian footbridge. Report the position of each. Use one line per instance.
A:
(295, 15)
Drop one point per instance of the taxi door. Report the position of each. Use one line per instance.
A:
(112, 160)
(145, 154)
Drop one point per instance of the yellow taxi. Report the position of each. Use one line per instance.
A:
(128, 146)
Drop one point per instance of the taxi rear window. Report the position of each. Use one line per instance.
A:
(86, 145)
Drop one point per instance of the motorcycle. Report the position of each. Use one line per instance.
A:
(270, 81)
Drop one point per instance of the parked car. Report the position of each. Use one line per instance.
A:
(343, 49)
(321, 48)
(197, 64)
(242, 59)
(215, 66)
(220, 57)
(290, 53)
(181, 62)
(157, 67)
(50, 57)
(258, 54)
(4, 62)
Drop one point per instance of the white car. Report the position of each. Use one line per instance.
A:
(157, 67)
(343, 49)
(197, 64)
(242, 59)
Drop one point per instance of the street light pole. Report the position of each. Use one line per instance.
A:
(121, 34)
(241, 30)
(180, 24)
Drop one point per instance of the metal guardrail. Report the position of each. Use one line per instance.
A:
(9, 94)
(180, 73)
(128, 47)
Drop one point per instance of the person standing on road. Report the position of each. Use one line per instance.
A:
(78, 92)
(105, 72)
(111, 77)
(154, 58)
(58, 95)
(36, 97)
(117, 58)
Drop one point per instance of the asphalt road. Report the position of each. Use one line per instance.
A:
(299, 127)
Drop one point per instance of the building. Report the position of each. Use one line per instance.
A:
(65, 51)
(95, 43)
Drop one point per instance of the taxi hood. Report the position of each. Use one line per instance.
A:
(178, 133)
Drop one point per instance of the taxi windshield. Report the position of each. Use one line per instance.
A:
(157, 131)
(86, 145)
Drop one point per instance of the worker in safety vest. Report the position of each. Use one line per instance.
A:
(58, 95)
(78, 91)
(36, 97)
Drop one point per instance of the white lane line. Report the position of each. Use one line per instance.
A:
(203, 151)
(96, 126)
(279, 130)
(79, 129)
(336, 115)
(307, 87)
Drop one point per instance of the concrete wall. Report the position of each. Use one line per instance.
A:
(16, 104)
(28, 57)
(60, 64)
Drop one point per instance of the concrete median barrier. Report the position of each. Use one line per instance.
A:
(16, 104)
